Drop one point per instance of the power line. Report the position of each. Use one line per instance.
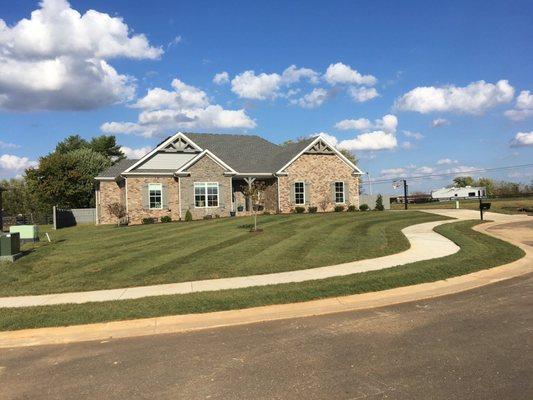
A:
(459, 173)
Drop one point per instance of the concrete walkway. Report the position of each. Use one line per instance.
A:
(425, 245)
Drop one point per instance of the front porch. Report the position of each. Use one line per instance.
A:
(241, 204)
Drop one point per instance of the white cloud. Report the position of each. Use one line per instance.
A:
(376, 140)
(407, 145)
(388, 123)
(313, 99)
(6, 145)
(177, 40)
(438, 122)
(221, 78)
(135, 153)
(523, 107)
(446, 161)
(475, 98)
(359, 124)
(57, 59)
(390, 173)
(185, 107)
(413, 135)
(13, 163)
(340, 73)
(264, 86)
(248, 85)
(293, 74)
(362, 94)
(522, 139)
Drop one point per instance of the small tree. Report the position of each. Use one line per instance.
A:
(188, 216)
(379, 203)
(324, 203)
(118, 211)
(255, 192)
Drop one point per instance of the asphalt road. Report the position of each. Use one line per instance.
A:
(474, 345)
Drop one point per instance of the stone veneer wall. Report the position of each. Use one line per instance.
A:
(135, 203)
(108, 192)
(319, 170)
(206, 170)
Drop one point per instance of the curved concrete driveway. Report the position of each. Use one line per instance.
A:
(425, 244)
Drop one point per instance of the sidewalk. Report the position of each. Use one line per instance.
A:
(425, 244)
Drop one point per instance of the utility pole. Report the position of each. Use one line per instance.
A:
(369, 183)
(480, 208)
(405, 193)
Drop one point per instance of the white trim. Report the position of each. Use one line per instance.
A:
(343, 192)
(161, 190)
(126, 195)
(104, 178)
(97, 205)
(179, 197)
(194, 160)
(162, 146)
(337, 152)
(205, 186)
(303, 184)
(148, 174)
(279, 200)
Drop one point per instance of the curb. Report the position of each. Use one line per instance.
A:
(194, 322)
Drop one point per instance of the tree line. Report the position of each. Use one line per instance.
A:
(494, 187)
(64, 177)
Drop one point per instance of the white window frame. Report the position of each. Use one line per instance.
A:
(303, 193)
(337, 192)
(205, 185)
(155, 186)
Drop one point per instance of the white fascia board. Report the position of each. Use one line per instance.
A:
(162, 146)
(148, 173)
(103, 178)
(206, 152)
(357, 171)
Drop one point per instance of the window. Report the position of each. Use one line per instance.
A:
(299, 193)
(339, 192)
(155, 191)
(205, 194)
(471, 194)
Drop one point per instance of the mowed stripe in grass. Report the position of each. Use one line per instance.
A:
(478, 251)
(91, 258)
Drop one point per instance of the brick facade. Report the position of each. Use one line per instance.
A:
(206, 170)
(319, 171)
(136, 212)
(108, 192)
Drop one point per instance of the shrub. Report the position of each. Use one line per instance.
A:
(119, 211)
(166, 218)
(266, 212)
(339, 208)
(188, 216)
(363, 207)
(352, 208)
(379, 203)
(312, 210)
(208, 216)
(217, 216)
(147, 221)
(299, 210)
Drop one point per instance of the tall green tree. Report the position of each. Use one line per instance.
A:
(71, 143)
(462, 181)
(66, 180)
(108, 147)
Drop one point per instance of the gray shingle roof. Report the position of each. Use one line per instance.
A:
(243, 153)
(248, 153)
(115, 170)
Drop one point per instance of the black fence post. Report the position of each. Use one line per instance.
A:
(405, 194)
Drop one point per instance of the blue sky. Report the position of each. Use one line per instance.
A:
(455, 75)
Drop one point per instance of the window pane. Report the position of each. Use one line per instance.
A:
(299, 196)
(339, 192)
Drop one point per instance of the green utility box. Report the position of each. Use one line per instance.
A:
(10, 247)
(28, 233)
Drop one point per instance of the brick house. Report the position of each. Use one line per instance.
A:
(205, 174)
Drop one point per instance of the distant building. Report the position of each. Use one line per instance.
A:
(458, 193)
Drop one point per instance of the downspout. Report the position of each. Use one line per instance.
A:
(96, 199)
(279, 201)
(127, 208)
(179, 197)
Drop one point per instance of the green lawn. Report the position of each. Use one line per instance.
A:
(504, 206)
(478, 251)
(102, 257)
